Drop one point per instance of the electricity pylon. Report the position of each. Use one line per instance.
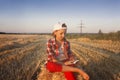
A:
(81, 26)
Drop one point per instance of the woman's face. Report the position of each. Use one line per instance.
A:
(60, 34)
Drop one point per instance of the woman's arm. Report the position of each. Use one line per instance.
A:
(49, 50)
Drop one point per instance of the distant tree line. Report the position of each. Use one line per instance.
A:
(2, 33)
(115, 36)
(26, 33)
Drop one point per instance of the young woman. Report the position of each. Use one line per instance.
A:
(60, 58)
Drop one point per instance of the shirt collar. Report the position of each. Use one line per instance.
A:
(63, 42)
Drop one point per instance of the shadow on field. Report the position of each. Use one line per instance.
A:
(103, 70)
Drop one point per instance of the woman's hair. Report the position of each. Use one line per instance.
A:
(54, 34)
(64, 25)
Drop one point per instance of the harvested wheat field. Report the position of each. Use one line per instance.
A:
(22, 57)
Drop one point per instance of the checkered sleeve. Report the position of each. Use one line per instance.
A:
(50, 52)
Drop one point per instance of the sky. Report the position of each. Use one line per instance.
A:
(39, 16)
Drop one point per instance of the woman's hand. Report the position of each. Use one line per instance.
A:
(55, 60)
(85, 76)
(68, 63)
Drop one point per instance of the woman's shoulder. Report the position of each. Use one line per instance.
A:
(51, 40)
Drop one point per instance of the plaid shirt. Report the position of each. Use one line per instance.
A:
(53, 52)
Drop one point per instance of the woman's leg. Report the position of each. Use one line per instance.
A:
(73, 69)
(69, 76)
(54, 67)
